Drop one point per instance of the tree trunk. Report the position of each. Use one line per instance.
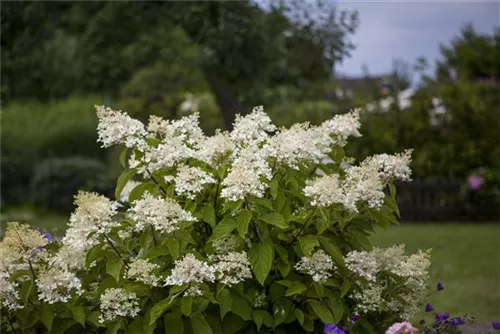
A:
(226, 98)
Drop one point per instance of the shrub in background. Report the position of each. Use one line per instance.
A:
(56, 180)
(248, 231)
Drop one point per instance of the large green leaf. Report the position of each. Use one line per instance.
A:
(173, 323)
(261, 258)
(47, 315)
(225, 302)
(122, 181)
(114, 267)
(332, 249)
(139, 191)
(200, 325)
(321, 311)
(241, 307)
(159, 308)
(187, 305)
(273, 187)
(78, 313)
(225, 227)
(123, 157)
(243, 221)
(209, 214)
(307, 243)
(274, 219)
(173, 247)
(295, 289)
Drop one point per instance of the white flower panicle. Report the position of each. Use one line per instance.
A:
(319, 266)
(116, 127)
(394, 167)
(158, 126)
(143, 271)
(325, 190)
(341, 127)
(94, 213)
(363, 183)
(193, 292)
(415, 266)
(298, 144)
(233, 268)
(190, 180)
(57, 285)
(364, 264)
(9, 296)
(188, 270)
(241, 182)
(187, 129)
(69, 258)
(116, 302)
(163, 215)
(21, 243)
(167, 154)
(369, 299)
(253, 158)
(252, 128)
(215, 149)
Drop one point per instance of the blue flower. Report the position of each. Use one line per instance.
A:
(429, 307)
(457, 321)
(333, 329)
(440, 286)
(442, 317)
(48, 236)
(496, 324)
(354, 318)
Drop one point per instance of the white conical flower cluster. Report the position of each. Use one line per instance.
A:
(57, 285)
(252, 128)
(116, 127)
(116, 302)
(319, 266)
(143, 271)
(232, 268)
(190, 270)
(189, 181)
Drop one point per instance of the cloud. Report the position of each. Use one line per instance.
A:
(404, 29)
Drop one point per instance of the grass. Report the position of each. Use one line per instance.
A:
(465, 258)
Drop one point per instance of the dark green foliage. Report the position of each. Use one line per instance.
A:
(56, 180)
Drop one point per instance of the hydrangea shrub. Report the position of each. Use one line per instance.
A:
(257, 230)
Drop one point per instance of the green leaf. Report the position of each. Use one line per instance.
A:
(78, 313)
(261, 258)
(173, 323)
(47, 315)
(282, 252)
(273, 187)
(300, 316)
(338, 309)
(123, 157)
(241, 307)
(140, 289)
(173, 247)
(264, 202)
(307, 243)
(321, 311)
(114, 327)
(185, 236)
(122, 181)
(225, 227)
(200, 325)
(243, 221)
(362, 239)
(209, 214)
(186, 305)
(337, 154)
(138, 191)
(159, 308)
(25, 292)
(295, 289)
(274, 219)
(114, 267)
(284, 268)
(345, 288)
(332, 249)
(225, 302)
(96, 253)
(62, 325)
(136, 327)
(257, 318)
(280, 202)
(392, 189)
(393, 205)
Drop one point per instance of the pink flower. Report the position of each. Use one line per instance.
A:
(475, 182)
(402, 328)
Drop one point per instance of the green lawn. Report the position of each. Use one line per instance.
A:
(465, 258)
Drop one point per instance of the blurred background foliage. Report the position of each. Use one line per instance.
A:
(166, 58)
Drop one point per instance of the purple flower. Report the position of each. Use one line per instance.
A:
(475, 182)
(38, 229)
(429, 307)
(354, 318)
(48, 236)
(496, 324)
(440, 286)
(442, 317)
(333, 329)
(457, 321)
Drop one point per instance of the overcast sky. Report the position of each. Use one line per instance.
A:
(408, 29)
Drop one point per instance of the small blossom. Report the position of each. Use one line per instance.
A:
(188, 270)
(48, 236)
(116, 302)
(190, 181)
(9, 296)
(241, 182)
(170, 152)
(475, 182)
(252, 128)
(143, 271)
(333, 329)
(324, 191)
(341, 127)
(402, 328)
(21, 243)
(193, 292)
(354, 318)
(363, 264)
(495, 324)
(233, 268)
(393, 167)
(163, 215)
(440, 286)
(457, 321)
(363, 183)
(116, 127)
(57, 285)
(214, 150)
(319, 266)
(442, 317)
(429, 307)
(260, 299)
